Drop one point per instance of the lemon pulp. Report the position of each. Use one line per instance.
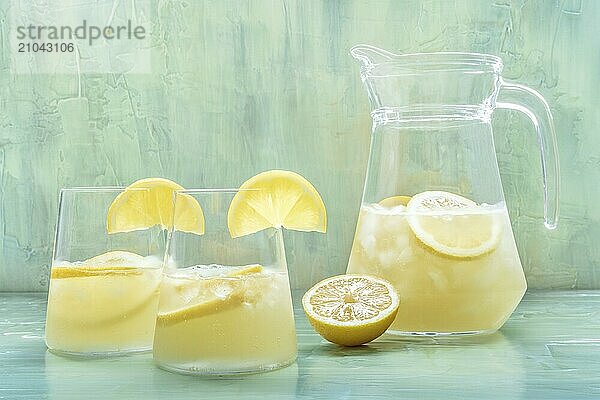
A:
(351, 309)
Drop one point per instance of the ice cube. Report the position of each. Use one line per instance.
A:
(369, 224)
(222, 289)
(388, 258)
(402, 241)
(187, 293)
(395, 224)
(405, 255)
(369, 245)
(438, 279)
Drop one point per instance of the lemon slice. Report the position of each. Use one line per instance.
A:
(141, 209)
(394, 201)
(239, 291)
(276, 199)
(212, 306)
(351, 310)
(86, 272)
(117, 257)
(453, 225)
(107, 264)
(102, 291)
(246, 270)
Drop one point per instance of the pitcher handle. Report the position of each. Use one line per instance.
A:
(528, 101)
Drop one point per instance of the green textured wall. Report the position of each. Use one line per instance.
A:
(239, 87)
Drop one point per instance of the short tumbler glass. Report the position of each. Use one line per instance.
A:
(103, 293)
(225, 304)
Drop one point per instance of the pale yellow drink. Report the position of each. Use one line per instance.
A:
(215, 319)
(440, 293)
(102, 309)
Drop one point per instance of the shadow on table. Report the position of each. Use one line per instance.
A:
(136, 377)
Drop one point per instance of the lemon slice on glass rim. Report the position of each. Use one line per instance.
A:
(135, 208)
(453, 225)
(276, 199)
(351, 310)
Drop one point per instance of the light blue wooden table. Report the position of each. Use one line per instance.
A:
(549, 349)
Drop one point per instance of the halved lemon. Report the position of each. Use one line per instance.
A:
(351, 310)
(276, 199)
(394, 201)
(453, 225)
(136, 209)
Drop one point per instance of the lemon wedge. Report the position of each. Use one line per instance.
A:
(453, 225)
(141, 209)
(351, 310)
(276, 199)
(212, 306)
(394, 201)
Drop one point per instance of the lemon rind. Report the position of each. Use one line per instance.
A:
(429, 241)
(251, 184)
(383, 314)
(153, 220)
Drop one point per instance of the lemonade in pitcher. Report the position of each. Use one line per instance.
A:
(453, 262)
(433, 219)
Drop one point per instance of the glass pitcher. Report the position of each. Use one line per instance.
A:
(433, 220)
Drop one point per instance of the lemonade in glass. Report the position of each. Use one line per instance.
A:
(225, 303)
(103, 292)
(103, 306)
(454, 263)
(225, 319)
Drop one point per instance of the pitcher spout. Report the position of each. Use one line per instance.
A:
(429, 85)
(370, 55)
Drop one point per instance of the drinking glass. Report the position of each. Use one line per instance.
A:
(103, 293)
(225, 305)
